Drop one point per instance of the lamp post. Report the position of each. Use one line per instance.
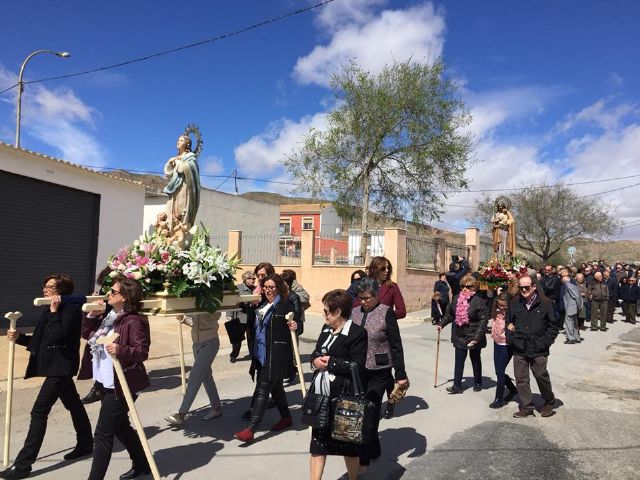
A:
(21, 85)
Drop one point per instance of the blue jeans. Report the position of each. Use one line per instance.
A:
(501, 357)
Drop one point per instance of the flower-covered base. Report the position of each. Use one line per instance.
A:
(163, 305)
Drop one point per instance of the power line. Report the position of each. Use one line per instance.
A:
(610, 191)
(9, 88)
(183, 47)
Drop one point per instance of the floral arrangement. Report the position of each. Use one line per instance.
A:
(199, 270)
(495, 272)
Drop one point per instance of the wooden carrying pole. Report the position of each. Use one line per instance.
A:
(13, 318)
(132, 407)
(42, 301)
(296, 352)
(183, 377)
(435, 380)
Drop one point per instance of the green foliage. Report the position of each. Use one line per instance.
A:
(393, 140)
(549, 218)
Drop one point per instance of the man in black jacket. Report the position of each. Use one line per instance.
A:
(551, 285)
(531, 330)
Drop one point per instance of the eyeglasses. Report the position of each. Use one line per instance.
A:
(468, 286)
(525, 288)
(270, 287)
(365, 299)
(49, 287)
(326, 312)
(113, 291)
(261, 275)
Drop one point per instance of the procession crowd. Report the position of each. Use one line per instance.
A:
(360, 347)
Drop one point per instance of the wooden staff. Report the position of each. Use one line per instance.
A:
(41, 301)
(183, 377)
(294, 340)
(13, 318)
(435, 380)
(132, 407)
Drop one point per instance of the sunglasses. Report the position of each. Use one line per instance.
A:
(468, 286)
(113, 291)
(326, 312)
(525, 287)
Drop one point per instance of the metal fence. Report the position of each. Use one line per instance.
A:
(421, 253)
(457, 249)
(331, 250)
(219, 241)
(260, 248)
(486, 252)
(290, 250)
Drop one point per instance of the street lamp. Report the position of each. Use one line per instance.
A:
(21, 85)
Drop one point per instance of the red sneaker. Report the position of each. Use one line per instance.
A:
(282, 424)
(245, 435)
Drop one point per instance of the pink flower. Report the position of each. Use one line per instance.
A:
(164, 256)
(140, 261)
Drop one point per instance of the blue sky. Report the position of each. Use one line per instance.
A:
(553, 86)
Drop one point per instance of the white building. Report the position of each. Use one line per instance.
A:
(59, 217)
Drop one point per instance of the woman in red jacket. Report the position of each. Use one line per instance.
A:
(131, 349)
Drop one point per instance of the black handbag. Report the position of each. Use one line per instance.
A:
(316, 408)
(353, 415)
(235, 330)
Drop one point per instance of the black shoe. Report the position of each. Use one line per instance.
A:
(594, 329)
(94, 395)
(13, 472)
(135, 473)
(477, 387)
(497, 403)
(271, 403)
(246, 415)
(603, 329)
(454, 390)
(510, 395)
(79, 451)
(388, 412)
(570, 342)
(233, 359)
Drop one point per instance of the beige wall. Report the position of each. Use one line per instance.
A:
(121, 203)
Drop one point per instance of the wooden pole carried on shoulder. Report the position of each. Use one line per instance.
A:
(296, 353)
(13, 317)
(132, 407)
(435, 380)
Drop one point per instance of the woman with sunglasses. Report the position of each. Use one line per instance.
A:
(272, 356)
(384, 352)
(55, 354)
(469, 317)
(131, 349)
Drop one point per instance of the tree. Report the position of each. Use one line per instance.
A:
(549, 217)
(393, 140)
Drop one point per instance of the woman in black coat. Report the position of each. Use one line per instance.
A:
(469, 317)
(341, 342)
(272, 356)
(55, 355)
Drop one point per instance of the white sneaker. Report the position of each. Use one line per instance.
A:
(177, 419)
(213, 413)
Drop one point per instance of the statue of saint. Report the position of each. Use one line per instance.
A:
(184, 185)
(503, 230)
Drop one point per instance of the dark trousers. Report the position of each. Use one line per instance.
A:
(264, 387)
(538, 366)
(501, 357)
(599, 313)
(630, 311)
(52, 389)
(235, 347)
(113, 421)
(611, 307)
(377, 381)
(476, 364)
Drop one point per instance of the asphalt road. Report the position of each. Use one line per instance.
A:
(433, 435)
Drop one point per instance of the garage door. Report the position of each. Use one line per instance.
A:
(46, 228)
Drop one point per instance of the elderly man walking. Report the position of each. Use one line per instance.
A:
(572, 303)
(599, 296)
(531, 330)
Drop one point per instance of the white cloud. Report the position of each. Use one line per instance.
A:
(615, 80)
(601, 114)
(212, 165)
(57, 117)
(262, 154)
(339, 14)
(373, 40)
